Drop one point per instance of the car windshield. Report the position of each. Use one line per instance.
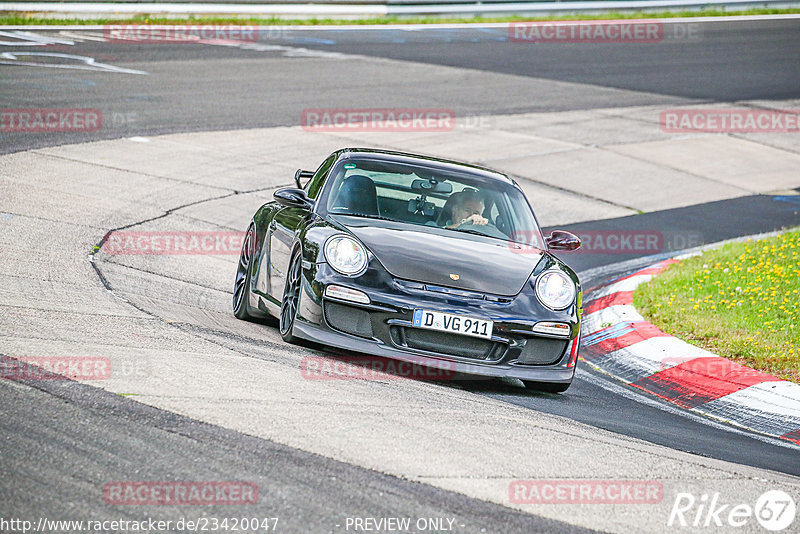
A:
(432, 197)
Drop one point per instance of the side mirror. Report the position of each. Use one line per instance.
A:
(561, 240)
(300, 173)
(292, 198)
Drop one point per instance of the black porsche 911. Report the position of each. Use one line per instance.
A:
(418, 259)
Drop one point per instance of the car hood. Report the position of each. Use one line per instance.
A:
(485, 265)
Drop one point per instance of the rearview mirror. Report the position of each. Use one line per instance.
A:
(302, 174)
(561, 240)
(292, 198)
(431, 186)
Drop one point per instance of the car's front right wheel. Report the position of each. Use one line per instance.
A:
(241, 286)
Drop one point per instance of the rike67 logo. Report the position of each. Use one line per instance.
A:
(774, 510)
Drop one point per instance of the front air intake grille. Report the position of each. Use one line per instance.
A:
(542, 351)
(447, 344)
(348, 319)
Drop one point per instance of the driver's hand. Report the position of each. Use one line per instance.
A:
(475, 219)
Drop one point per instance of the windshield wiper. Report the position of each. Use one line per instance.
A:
(477, 232)
(365, 216)
(470, 231)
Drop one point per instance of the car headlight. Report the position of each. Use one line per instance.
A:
(345, 255)
(555, 290)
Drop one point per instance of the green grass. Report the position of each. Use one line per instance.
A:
(741, 301)
(17, 19)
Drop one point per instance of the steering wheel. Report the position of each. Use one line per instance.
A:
(489, 229)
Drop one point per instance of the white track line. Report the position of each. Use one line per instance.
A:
(629, 393)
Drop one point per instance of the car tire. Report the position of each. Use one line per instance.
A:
(291, 298)
(547, 387)
(241, 285)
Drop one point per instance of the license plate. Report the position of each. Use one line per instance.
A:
(456, 324)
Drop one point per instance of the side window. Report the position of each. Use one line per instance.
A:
(494, 212)
(315, 183)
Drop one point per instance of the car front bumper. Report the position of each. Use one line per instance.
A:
(384, 328)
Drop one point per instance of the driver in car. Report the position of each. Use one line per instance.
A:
(467, 209)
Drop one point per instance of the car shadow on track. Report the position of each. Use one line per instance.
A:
(333, 363)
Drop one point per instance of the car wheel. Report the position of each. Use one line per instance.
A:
(291, 298)
(547, 387)
(241, 286)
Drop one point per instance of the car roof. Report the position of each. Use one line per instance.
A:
(428, 161)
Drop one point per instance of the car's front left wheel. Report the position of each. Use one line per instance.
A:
(291, 298)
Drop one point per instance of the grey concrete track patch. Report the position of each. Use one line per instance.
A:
(99, 437)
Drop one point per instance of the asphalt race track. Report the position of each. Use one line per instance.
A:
(258, 84)
(221, 399)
